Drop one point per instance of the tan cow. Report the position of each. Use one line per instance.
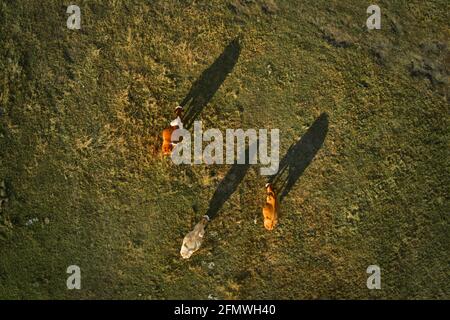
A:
(270, 209)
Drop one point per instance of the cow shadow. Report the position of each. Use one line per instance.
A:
(299, 156)
(209, 82)
(228, 186)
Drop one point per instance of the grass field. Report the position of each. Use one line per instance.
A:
(81, 114)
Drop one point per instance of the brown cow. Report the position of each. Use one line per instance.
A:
(270, 209)
(168, 144)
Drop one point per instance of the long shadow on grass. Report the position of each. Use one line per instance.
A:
(299, 156)
(228, 186)
(209, 82)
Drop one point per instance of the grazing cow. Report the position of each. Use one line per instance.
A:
(270, 209)
(193, 240)
(168, 144)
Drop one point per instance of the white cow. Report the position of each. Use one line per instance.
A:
(193, 240)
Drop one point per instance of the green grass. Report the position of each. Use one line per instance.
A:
(81, 117)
